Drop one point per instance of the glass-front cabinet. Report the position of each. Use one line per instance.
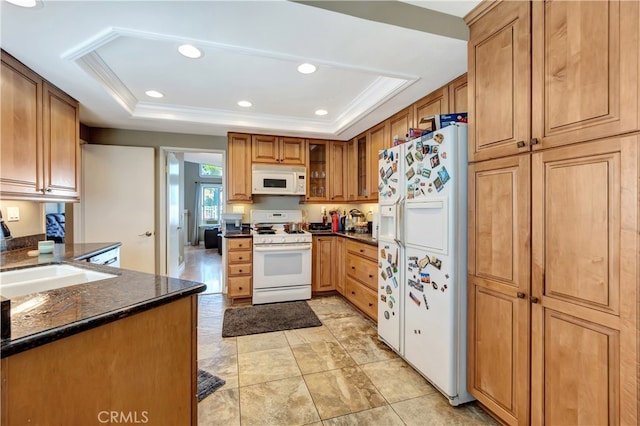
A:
(318, 170)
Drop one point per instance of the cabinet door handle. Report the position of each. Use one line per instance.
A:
(534, 141)
(370, 304)
(521, 295)
(521, 144)
(353, 292)
(534, 299)
(370, 276)
(353, 267)
(239, 288)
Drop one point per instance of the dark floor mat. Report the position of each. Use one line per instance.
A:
(266, 318)
(207, 384)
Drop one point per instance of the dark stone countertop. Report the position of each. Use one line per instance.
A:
(362, 238)
(52, 315)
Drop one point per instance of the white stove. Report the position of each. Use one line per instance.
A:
(281, 260)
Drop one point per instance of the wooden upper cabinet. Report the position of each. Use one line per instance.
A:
(400, 123)
(499, 286)
(435, 103)
(358, 151)
(40, 137)
(500, 81)
(584, 279)
(292, 150)
(278, 150)
(61, 137)
(585, 70)
(21, 148)
(458, 95)
(239, 167)
(378, 140)
(338, 174)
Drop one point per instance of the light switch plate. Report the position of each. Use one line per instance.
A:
(13, 214)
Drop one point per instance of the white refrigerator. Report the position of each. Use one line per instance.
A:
(422, 250)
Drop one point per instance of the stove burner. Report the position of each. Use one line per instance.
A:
(294, 232)
(266, 232)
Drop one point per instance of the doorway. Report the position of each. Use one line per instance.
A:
(191, 196)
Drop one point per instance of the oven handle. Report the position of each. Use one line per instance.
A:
(283, 247)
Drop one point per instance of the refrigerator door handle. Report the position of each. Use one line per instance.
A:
(399, 221)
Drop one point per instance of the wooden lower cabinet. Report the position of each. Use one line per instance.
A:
(324, 265)
(361, 270)
(141, 368)
(499, 285)
(584, 298)
(340, 254)
(553, 315)
(239, 267)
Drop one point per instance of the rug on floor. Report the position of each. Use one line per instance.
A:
(266, 318)
(207, 384)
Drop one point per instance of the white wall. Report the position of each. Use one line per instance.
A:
(31, 217)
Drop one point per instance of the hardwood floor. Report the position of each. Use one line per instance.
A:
(203, 265)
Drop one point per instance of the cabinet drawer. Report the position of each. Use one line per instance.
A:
(363, 250)
(240, 269)
(239, 257)
(363, 297)
(239, 286)
(363, 270)
(239, 243)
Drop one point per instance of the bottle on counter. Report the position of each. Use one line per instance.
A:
(324, 217)
(335, 222)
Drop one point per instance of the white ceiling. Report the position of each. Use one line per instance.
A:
(106, 54)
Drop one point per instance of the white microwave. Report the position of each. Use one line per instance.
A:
(278, 179)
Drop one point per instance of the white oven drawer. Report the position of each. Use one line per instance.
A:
(281, 265)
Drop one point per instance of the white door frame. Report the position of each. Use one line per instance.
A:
(162, 197)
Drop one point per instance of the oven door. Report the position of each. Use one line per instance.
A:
(281, 265)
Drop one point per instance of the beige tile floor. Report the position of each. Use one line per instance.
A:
(336, 374)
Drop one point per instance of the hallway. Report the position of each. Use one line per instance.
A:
(203, 265)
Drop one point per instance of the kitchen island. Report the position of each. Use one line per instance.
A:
(121, 349)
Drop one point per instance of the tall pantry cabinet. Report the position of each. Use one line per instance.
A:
(554, 135)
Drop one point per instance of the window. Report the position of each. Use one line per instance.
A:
(212, 197)
(209, 170)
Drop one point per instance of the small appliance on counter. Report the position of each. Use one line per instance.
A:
(232, 224)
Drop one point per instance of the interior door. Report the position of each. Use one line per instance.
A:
(117, 203)
(174, 216)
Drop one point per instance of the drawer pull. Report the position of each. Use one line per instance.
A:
(240, 270)
(353, 267)
(240, 257)
(370, 304)
(370, 276)
(240, 288)
(353, 292)
(361, 251)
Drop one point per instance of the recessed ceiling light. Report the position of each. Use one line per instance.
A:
(154, 94)
(189, 51)
(306, 68)
(245, 104)
(321, 112)
(23, 3)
